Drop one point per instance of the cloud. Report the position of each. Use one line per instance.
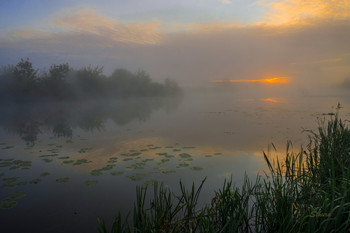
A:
(88, 21)
(225, 1)
(313, 53)
(301, 11)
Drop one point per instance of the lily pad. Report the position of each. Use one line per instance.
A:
(151, 182)
(84, 150)
(21, 183)
(8, 185)
(176, 150)
(54, 150)
(96, 172)
(188, 147)
(91, 182)
(81, 161)
(64, 157)
(135, 154)
(68, 161)
(48, 155)
(16, 195)
(208, 156)
(217, 153)
(108, 167)
(112, 160)
(45, 174)
(147, 160)
(185, 155)
(137, 176)
(62, 180)
(116, 173)
(127, 159)
(47, 160)
(7, 147)
(197, 168)
(35, 181)
(182, 165)
(136, 166)
(5, 164)
(7, 204)
(168, 171)
(11, 179)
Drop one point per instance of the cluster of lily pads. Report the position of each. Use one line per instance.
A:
(11, 200)
(129, 161)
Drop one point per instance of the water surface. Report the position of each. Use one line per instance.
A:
(65, 164)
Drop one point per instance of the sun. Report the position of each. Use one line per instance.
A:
(274, 80)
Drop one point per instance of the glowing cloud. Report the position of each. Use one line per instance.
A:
(226, 1)
(276, 80)
(88, 21)
(301, 11)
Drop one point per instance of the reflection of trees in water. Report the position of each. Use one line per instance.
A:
(29, 121)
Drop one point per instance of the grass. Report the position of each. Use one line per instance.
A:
(305, 191)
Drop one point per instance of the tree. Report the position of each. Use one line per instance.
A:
(24, 83)
(59, 71)
(55, 85)
(24, 71)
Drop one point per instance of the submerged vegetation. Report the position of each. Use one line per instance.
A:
(308, 191)
(22, 83)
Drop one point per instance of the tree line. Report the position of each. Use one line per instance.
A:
(61, 82)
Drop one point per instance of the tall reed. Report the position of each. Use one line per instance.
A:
(307, 191)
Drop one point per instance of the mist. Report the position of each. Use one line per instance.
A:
(101, 98)
(312, 55)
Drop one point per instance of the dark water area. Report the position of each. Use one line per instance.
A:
(63, 165)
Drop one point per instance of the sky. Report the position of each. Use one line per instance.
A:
(191, 41)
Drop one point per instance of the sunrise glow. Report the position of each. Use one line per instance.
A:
(276, 80)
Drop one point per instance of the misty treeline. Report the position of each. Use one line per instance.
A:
(61, 82)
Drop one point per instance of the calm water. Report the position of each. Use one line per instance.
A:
(71, 163)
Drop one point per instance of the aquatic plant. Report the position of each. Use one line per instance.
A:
(62, 180)
(305, 191)
(91, 182)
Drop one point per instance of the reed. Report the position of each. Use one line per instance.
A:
(307, 191)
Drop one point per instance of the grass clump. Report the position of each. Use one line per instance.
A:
(305, 191)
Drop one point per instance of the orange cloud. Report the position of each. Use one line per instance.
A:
(90, 22)
(276, 80)
(301, 11)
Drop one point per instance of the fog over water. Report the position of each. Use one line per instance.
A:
(98, 97)
(218, 134)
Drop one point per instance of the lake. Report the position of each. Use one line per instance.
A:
(63, 165)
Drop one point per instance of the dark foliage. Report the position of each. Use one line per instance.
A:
(22, 83)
